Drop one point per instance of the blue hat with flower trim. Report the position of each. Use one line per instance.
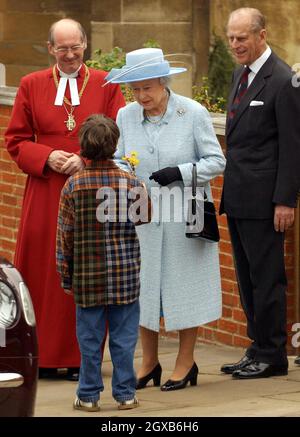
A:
(143, 64)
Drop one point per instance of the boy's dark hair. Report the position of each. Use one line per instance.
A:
(98, 137)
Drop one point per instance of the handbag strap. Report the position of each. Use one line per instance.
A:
(194, 180)
(194, 183)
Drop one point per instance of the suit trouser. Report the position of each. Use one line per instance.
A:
(259, 261)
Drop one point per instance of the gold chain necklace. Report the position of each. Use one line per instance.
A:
(70, 122)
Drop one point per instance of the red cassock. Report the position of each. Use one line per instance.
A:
(36, 128)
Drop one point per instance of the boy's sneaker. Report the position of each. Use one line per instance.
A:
(78, 404)
(129, 404)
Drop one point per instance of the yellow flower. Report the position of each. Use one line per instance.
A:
(132, 160)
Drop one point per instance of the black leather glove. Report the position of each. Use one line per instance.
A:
(166, 175)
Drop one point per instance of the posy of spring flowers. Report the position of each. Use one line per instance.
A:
(132, 160)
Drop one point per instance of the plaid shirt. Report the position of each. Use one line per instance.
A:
(99, 260)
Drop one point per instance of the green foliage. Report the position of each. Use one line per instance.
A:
(107, 61)
(221, 66)
(116, 59)
(202, 95)
(151, 44)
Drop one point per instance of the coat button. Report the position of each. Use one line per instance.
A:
(151, 149)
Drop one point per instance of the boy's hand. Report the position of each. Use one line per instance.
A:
(67, 291)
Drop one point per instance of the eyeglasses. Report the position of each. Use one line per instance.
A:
(73, 49)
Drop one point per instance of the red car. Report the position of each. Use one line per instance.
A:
(18, 345)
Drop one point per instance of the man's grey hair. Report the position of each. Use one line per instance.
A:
(79, 26)
(258, 20)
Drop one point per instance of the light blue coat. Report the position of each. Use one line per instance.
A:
(183, 274)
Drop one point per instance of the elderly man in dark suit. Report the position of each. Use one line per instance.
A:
(261, 183)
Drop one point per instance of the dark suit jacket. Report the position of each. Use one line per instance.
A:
(263, 145)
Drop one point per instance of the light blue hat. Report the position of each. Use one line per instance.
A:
(143, 64)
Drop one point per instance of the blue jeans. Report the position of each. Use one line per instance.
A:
(123, 321)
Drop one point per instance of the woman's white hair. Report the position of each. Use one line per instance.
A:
(166, 80)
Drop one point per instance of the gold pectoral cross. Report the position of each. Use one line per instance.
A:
(70, 123)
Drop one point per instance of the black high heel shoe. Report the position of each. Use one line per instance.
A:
(155, 374)
(191, 377)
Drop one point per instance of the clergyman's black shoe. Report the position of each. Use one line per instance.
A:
(155, 374)
(73, 374)
(297, 360)
(48, 373)
(230, 368)
(260, 370)
(191, 377)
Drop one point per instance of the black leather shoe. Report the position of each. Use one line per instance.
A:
(73, 374)
(230, 368)
(47, 373)
(177, 385)
(260, 370)
(297, 360)
(155, 374)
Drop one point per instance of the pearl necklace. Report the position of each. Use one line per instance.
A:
(153, 120)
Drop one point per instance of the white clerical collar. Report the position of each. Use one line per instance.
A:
(61, 89)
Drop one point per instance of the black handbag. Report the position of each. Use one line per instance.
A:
(210, 230)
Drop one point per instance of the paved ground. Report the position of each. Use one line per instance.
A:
(215, 395)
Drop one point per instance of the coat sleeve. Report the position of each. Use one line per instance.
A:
(211, 160)
(288, 173)
(120, 152)
(30, 156)
(65, 237)
(140, 211)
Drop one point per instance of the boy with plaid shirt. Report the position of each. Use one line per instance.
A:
(98, 258)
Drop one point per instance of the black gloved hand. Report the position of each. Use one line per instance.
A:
(166, 175)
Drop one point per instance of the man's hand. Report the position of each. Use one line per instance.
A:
(72, 165)
(283, 217)
(57, 159)
(68, 291)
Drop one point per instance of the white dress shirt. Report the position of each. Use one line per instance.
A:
(256, 65)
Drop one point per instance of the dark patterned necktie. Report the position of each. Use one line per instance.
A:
(242, 89)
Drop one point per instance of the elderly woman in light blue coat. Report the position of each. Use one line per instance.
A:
(180, 277)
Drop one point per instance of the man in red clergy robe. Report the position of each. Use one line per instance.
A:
(42, 138)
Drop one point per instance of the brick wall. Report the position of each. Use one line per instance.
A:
(229, 330)
(11, 193)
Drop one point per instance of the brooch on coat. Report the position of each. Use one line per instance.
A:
(180, 112)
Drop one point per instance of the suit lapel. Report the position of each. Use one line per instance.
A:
(254, 89)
